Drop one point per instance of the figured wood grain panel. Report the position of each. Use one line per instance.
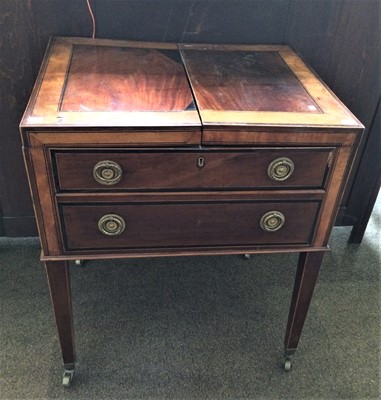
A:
(125, 79)
(232, 87)
(110, 87)
(246, 81)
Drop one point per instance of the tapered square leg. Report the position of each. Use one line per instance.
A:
(305, 279)
(59, 285)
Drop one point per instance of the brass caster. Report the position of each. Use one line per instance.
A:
(67, 377)
(247, 256)
(78, 263)
(287, 364)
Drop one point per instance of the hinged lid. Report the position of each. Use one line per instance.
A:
(102, 83)
(260, 85)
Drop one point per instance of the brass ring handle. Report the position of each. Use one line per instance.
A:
(111, 225)
(272, 221)
(280, 169)
(107, 172)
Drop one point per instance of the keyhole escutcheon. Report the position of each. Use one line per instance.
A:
(200, 162)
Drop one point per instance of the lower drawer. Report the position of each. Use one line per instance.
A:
(155, 225)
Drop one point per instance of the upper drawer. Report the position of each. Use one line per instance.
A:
(191, 169)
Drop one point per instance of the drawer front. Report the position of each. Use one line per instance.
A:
(139, 225)
(191, 170)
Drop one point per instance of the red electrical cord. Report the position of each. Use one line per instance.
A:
(92, 17)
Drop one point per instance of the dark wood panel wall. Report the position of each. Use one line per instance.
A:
(340, 39)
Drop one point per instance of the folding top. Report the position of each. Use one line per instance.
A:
(259, 85)
(87, 82)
